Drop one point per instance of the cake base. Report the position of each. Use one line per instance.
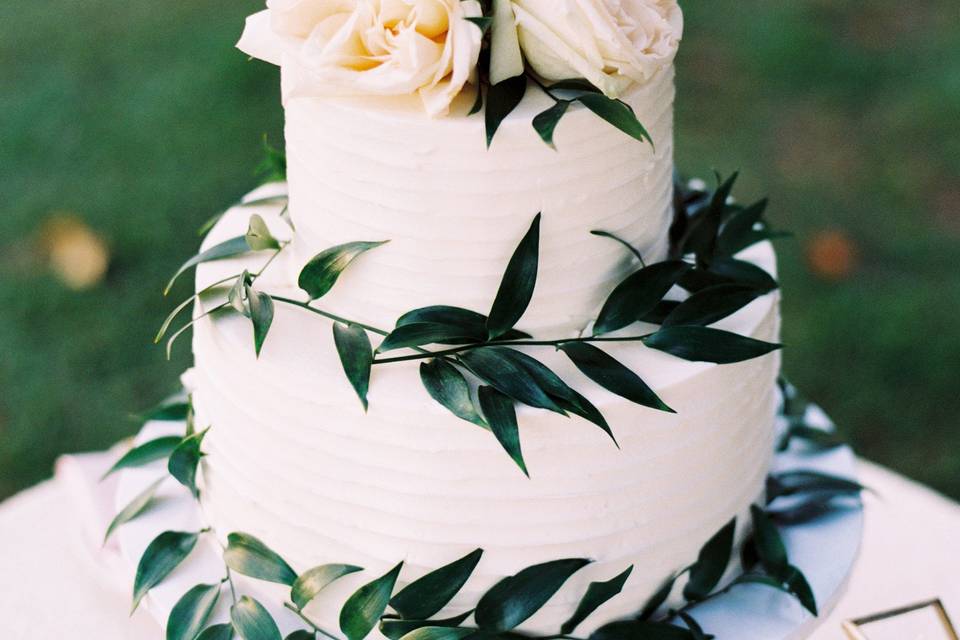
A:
(824, 548)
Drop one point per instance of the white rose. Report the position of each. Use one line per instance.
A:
(611, 43)
(370, 47)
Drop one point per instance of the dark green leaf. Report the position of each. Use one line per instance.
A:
(640, 630)
(616, 113)
(477, 103)
(252, 621)
(741, 272)
(502, 98)
(797, 585)
(483, 22)
(322, 272)
(546, 122)
(395, 629)
(446, 385)
(226, 249)
(217, 632)
(638, 294)
(309, 584)
(812, 437)
(363, 609)
(768, 543)
(519, 280)
(356, 356)
(302, 634)
(423, 333)
(630, 247)
(657, 599)
(162, 556)
(470, 322)
(702, 344)
(137, 506)
(580, 406)
(660, 312)
(597, 594)
(258, 235)
(248, 555)
(738, 232)
(502, 418)
(611, 375)
(696, 631)
(705, 226)
(574, 84)
(517, 597)
(706, 572)
(184, 460)
(190, 614)
(806, 508)
(172, 409)
(148, 452)
(439, 633)
(431, 593)
(711, 305)
(501, 372)
(797, 482)
(261, 314)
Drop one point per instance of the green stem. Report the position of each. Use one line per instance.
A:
(328, 315)
(506, 343)
(313, 625)
(543, 87)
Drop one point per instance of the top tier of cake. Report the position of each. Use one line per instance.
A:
(375, 168)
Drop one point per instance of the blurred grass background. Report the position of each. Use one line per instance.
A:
(124, 125)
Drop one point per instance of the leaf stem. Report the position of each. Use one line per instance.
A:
(328, 315)
(313, 625)
(542, 86)
(506, 343)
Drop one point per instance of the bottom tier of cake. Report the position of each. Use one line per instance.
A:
(292, 458)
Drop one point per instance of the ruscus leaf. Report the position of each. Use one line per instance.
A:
(447, 386)
(252, 621)
(258, 235)
(640, 630)
(162, 556)
(356, 357)
(151, 451)
(502, 418)
(706, 572)
(260, 306)
(768, 543)
(226, 249)
(797, 585)
(502, 99)
(607, 372)
(546, 121)
(311, 583)
(424, 597)
(184, 460)
(632, 249)
(503, 373)
(638, 294)
(711, 305)
(363, 609)
(517, 284)
(395, 629)
(703, 344)
(616, 113)
(439, 633)
(658, 599)
(217, 632)
(137, 506)
(597, 594)
(423, 333)
(189, 616)
(696, 631)
(249, 556)
(321, 273)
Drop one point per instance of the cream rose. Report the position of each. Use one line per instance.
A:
(611, 43)
(370, 47)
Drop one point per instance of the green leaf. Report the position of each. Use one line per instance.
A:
(660, 312)
(516, 287)
(658, 599)
(791, 483)
(439, 633)
(162, 556)
(502, 99)
(638, 294)
(812, 437)
(171, 409)
(640, 630)
(546, 121)
(322, 272)
(190, 614)
(252, 621)
(616, 113)
(630, 247)
(501, 371)
(517, 597)
(137, 506)
(705, 226)
(302, 634)
(423, 333)
(217, 632)
(580, 406)
(597, 594)
(738, 232)
(261, 314)
(477, 103)
(311, 583)
(184, 460)
(696, 631)
(768, 543)
(226, 249)
(706, 572)
(151, 451)
(356, 357)
(502, 418)
(574, 84)
(363, 609)
(248, 555)
(446, 385)
(808, 507)
(396, 629)
(797, 585)
(258, 235)
(431, 593)
(483, 22)
(711, 305)
(273, 167)
(702, 344)
(742, 272)
(471, 323)
(607, 372)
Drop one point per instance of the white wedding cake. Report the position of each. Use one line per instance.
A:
(381, 147)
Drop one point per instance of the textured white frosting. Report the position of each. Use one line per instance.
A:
(368, 169)
(293, 459)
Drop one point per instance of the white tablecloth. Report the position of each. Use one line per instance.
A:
(56, 581)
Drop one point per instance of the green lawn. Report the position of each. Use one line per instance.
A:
(143, 120)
